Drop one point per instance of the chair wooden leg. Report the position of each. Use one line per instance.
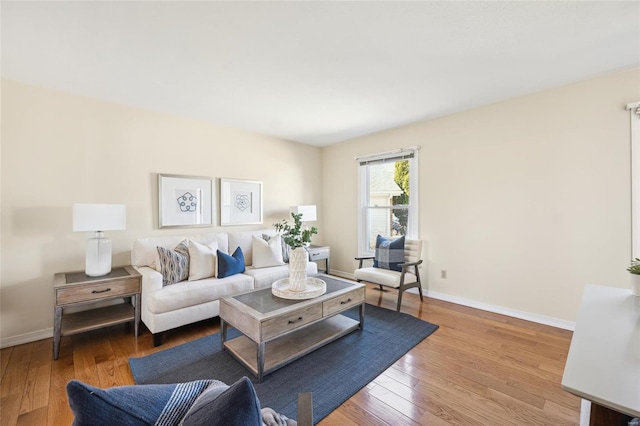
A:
(381, 289)
(399, 299)
(420, 291)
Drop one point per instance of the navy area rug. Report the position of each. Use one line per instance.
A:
(332, 373)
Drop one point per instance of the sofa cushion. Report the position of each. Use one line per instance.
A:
(236, 406)
(133, 405)
(389, 253)
(230, 265)
(243, 240)
(174, 264)
(267, 253)
(383, 276)
(202, 260)
(145, 253)
(145, 250)
(192, 293)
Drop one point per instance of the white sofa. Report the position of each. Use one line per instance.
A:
(186, 302)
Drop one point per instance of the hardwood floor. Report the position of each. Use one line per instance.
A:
(478, 368)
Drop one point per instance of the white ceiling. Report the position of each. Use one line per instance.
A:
(314, 72)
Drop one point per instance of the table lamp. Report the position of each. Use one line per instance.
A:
(98, 218)
(308, 212)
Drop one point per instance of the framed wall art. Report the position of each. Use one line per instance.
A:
(240, 202)
(184, 201)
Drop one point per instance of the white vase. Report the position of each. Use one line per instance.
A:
(298, 269)
(635, 284)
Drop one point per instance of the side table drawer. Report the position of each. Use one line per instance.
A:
(347, 300)
(85, 293)
(317, 254)
(277, 326)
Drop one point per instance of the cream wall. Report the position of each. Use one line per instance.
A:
(523, 202)
(59, 149)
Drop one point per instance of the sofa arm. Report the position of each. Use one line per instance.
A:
(151, 279)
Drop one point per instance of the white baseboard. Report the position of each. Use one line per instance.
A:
(528, 316)
(540, 319)
(502, 310)
(26, 338)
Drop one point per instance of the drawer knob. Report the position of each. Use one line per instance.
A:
(345, 301)
(295, 321)
(101, 291)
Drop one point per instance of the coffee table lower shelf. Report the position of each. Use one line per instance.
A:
(291, 346)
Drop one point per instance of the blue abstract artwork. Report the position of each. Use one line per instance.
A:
(187, 202)
(243, 201)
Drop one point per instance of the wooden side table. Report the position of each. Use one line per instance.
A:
(76, 289)
(319, 253)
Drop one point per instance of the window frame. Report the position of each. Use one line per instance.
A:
(410, 154)
(634, 118)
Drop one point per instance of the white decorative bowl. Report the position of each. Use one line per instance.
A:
(315, 287)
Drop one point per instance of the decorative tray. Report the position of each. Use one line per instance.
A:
(315, 287)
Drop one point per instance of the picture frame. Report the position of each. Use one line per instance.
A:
(184, 201)
(240, 202)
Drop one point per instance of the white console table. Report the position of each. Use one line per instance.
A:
(603, 365)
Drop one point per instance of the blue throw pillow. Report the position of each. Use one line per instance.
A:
(230, 265)
(389, 253)
(133, 405)
(236, 406)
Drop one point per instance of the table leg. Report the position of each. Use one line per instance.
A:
(57, 331)
(223, 332)
(260, 361)
(362, 316)
(137, 308)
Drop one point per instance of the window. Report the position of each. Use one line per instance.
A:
(388, 197)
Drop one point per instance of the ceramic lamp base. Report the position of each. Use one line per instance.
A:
(98, 256)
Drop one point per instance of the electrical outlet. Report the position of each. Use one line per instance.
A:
(443, 274)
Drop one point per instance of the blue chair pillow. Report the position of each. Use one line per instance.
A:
(389, 253)
(230, 265)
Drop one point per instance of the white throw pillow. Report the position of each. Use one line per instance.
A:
(267, 253)
(203, 260)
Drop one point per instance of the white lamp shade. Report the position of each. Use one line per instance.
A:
(99, 217)
(308, 212)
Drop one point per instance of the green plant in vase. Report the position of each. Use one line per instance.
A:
(635, 266)
(295, 236)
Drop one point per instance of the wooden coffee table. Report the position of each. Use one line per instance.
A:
(278, 331)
